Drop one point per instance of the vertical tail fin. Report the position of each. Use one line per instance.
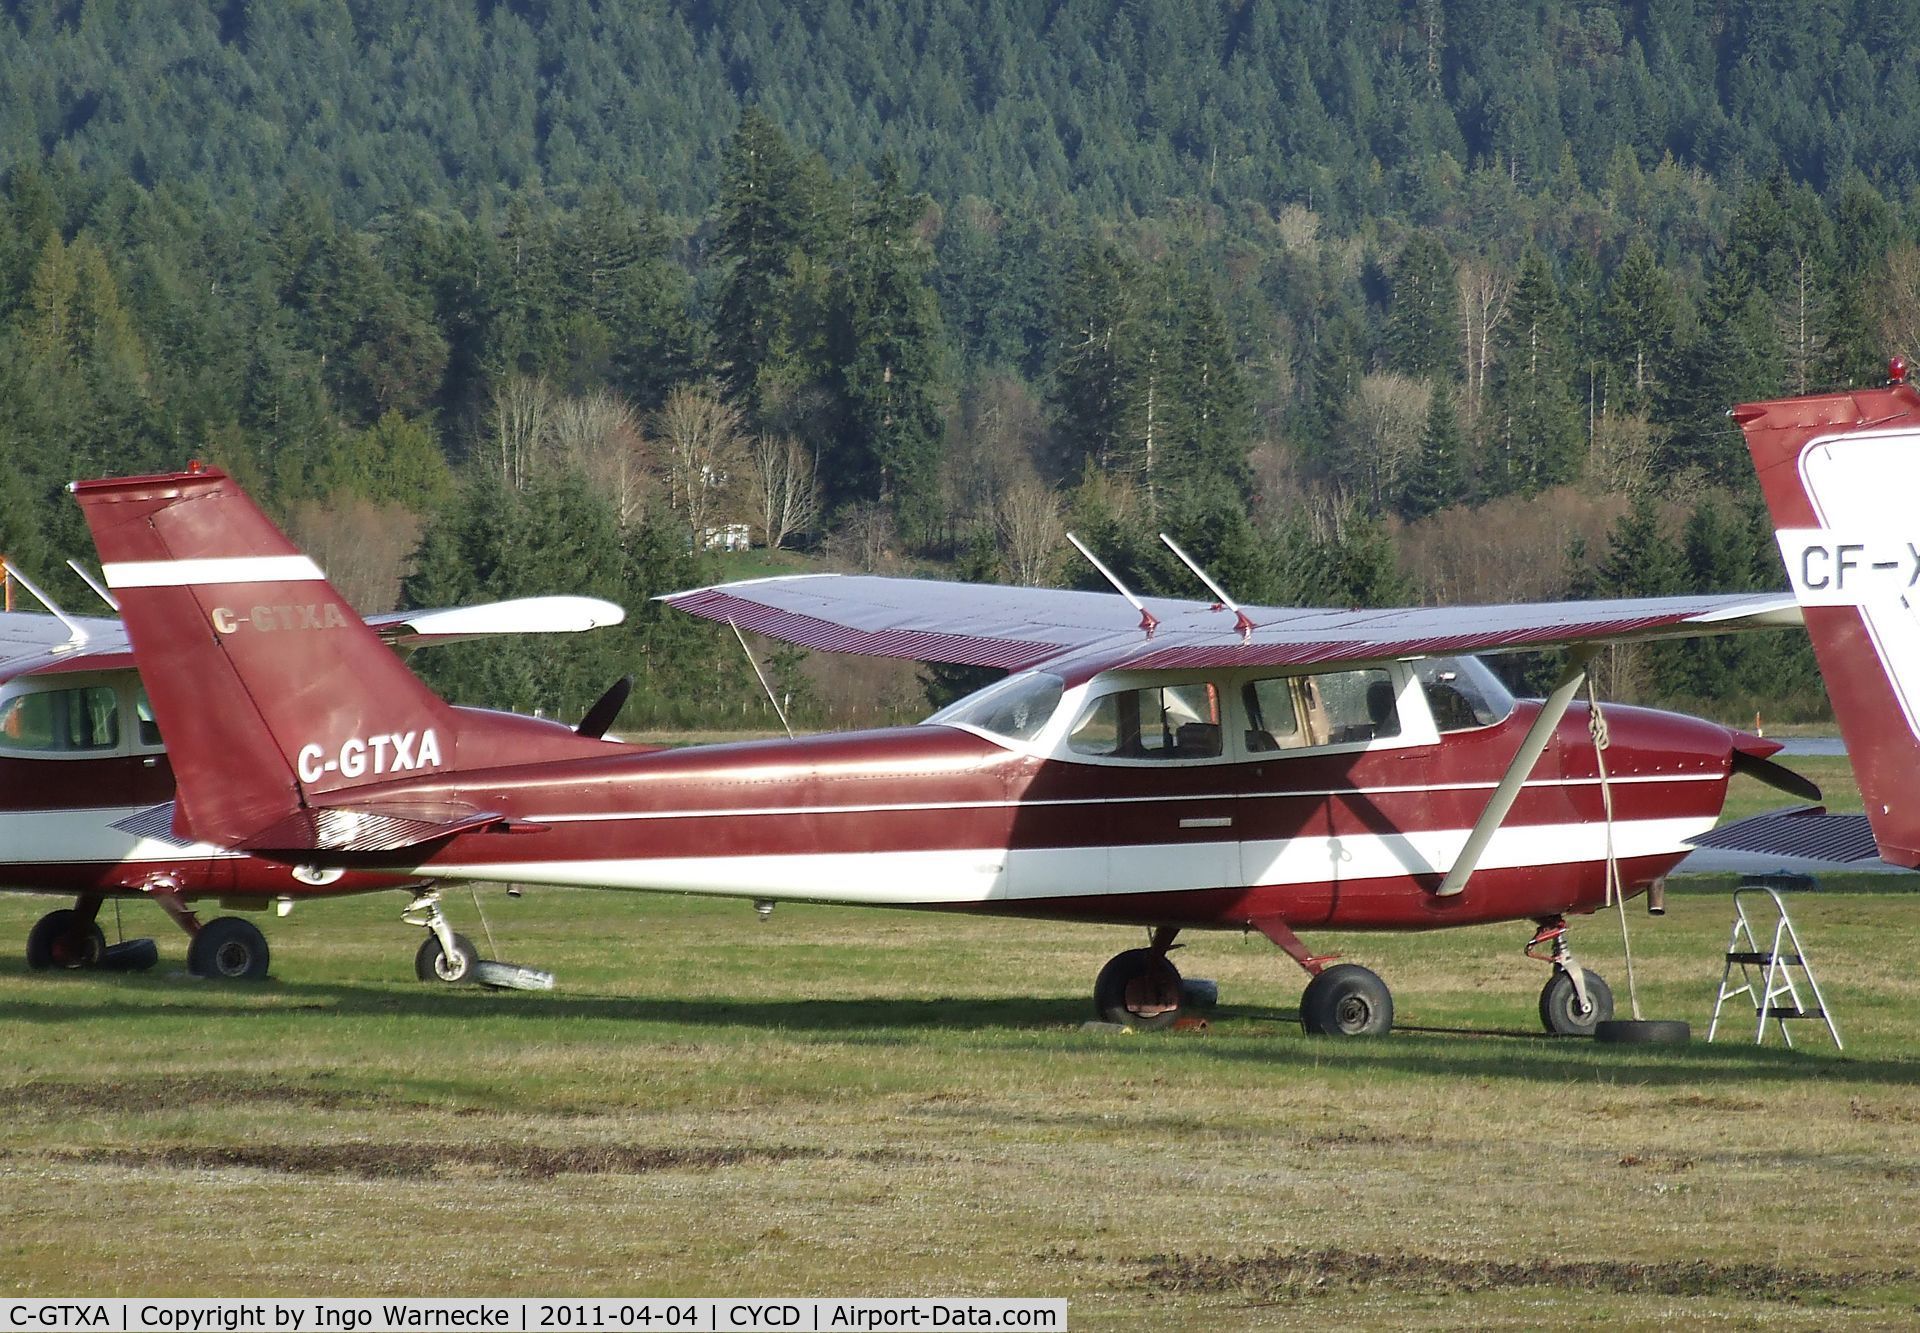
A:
(1840, 473)
(269, 688)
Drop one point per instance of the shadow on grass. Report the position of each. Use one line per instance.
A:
(1235, 1035)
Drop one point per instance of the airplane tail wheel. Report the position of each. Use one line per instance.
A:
(228, 949)
(434, 963)
(1347, 1000)
(64, 939)
(1139, 988)
(1560, 1011)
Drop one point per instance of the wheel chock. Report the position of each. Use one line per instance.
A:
(510, 976)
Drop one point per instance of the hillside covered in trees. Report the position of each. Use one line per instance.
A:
(1366, 301)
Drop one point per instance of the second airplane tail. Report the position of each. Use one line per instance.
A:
(1840, 473)
(278, 704)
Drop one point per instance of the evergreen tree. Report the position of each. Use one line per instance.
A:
(1423, 320)
(1536, 431)
(1438, 479)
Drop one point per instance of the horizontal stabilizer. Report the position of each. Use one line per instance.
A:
(372, 827)
(521, 615)
(1800, 833)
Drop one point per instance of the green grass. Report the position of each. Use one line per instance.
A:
(843, 1101)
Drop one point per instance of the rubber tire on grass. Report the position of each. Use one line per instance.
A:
(130, 956)
(432, 964)
(1136, 981)
(228, 949)
(1346, 1000)
(1558, 1000)
(1644, 1032)
(64, 939)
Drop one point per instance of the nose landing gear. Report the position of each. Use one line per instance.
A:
(1574, 1001)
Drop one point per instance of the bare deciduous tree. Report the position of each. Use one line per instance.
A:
(782, 487)
(363, 546)
(1622, 453)
(601, 434)
(1385, 420)
(1484, 293)
(1031, 532)
(1899, 302)
(522, 427)
(865, 536)
(705, 456)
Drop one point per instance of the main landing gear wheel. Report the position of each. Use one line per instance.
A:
(65, 939)
(434, 963)
(1140, 989)
(1560, 1011)
(1347, 1000)
(228, 949)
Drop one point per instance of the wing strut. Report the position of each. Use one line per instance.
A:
(1518, 771)
(1224, 602)
(1148, 620)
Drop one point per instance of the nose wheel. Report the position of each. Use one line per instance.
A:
(1574, 1001)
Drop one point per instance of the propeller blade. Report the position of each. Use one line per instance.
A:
(605, 709)
(1777, 776)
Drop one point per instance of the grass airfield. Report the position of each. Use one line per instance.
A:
(844, 1101)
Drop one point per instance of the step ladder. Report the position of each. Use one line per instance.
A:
(1777, 965)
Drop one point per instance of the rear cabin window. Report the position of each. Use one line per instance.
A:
(62, 721)
(1158, 722)
(1333, 708)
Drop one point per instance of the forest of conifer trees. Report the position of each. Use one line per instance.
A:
(1364, 301)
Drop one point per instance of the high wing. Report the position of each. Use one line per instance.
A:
(32, 641)
(1015, 628)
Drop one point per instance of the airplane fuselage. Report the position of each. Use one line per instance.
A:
(940, 817)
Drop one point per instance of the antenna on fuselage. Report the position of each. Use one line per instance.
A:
(98, 587)
(1222, 602)
(76, 633)
(1148, 621)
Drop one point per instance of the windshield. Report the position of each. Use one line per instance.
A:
(1462, 693)
(1017, 707)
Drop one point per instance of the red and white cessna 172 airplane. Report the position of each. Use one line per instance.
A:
(1174, 764)
(85, 779)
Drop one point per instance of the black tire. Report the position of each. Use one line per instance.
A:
(1643, 1032)
(1347, 1000)
(66, 940)
(130, 956)
(1560, 1004)
(431, 963)
(1140, 989)
(228, 949)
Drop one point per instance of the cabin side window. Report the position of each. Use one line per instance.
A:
(1157, 722)
(62, 721)
(1332, 708)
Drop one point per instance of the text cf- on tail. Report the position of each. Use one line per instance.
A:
(1166, 764)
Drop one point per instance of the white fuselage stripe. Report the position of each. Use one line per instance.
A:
(919, 807)
(230, 569)
(88, 837)
(987, 874)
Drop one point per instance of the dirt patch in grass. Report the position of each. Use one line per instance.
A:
(386, 1161)
(174, 1093)
(1295, 1273)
